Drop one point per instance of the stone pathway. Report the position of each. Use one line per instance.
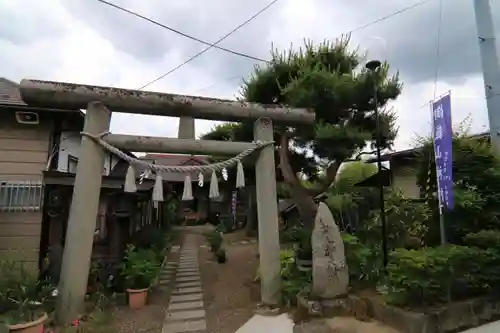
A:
(185, 312)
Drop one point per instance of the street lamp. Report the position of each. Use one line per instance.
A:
(372, 66)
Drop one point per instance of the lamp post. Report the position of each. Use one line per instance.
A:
(372, 66)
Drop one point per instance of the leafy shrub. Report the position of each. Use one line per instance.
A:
(476, 174)
(406, 222)
(294, 280)
(442, 274)
(485, 239)
(140, 267)
(363, 262)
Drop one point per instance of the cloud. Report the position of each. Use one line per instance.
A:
(88, 42)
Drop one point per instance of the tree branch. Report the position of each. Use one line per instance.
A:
(285, 166)
(330, 174)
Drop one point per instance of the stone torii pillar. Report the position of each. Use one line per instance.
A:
(82, 216)
(267, 215)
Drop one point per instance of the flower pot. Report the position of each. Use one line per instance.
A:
(137, 298)
(35, 326)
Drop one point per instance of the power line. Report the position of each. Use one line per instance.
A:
(179, 32)
(364, 26)
(211, 46)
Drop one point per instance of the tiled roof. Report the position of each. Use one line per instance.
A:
(9, 93)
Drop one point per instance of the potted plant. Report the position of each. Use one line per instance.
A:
(214, 239)
(221, 256)
(140, 268)
(22, 298)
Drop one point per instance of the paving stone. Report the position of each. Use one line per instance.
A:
(185, 326)
(187, 275)
(186, 298)
(190, 290)
(187, 278)
(188, 284)
(186, 314)
(185, 305)
(188, 270)
(188, 265)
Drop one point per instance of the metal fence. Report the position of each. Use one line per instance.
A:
(21, 196)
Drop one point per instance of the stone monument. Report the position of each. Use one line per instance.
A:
(330, 273)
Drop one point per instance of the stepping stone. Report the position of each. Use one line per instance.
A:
(188, 284)
(187, 275)
(188, 264)
(186, 314)
(185, 306)
(184, 326)
(187, 278)
(186, 298)
(189, 271)
(190, 290)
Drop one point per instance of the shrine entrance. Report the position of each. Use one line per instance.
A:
(99, 103)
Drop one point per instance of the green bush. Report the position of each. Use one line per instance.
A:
(442, 274)
(364, 263)
(406, 222)
(476, 174)
(294, 280)
(485, 239)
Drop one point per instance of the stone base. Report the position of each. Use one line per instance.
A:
(267, 310)
(453, 317)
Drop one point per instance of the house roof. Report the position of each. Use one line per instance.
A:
(412, 152)
(9, 93)
(10, 97)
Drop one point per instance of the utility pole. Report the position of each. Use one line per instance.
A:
(490, 66)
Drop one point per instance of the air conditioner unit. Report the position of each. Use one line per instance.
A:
(27, 118)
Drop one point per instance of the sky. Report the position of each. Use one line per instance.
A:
(85, 41)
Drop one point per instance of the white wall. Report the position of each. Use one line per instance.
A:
(69, 144)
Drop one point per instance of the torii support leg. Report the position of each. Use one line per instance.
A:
(82, 216)
(267, 213)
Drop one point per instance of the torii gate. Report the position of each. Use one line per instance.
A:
(99, 101)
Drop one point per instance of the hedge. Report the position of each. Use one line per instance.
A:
(442, 274)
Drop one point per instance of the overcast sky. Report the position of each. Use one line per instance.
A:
(85, 41)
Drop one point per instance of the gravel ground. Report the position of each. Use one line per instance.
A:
(230, 295)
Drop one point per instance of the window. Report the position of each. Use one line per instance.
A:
(72, 164)
(20, 196)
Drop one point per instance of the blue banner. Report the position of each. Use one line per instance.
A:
(443, 150)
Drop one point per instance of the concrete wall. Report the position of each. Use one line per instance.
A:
(23, 157)
(69, 146)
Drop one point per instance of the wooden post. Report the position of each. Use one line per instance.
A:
(267, 212)
(82, 216)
